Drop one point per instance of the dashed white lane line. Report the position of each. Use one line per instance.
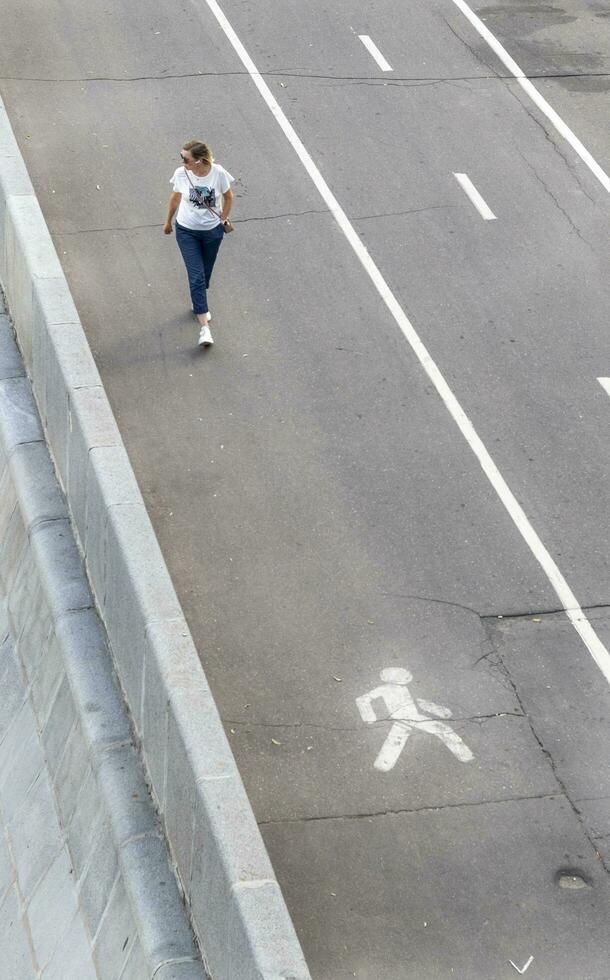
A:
(534, 94)
(468, 187)
(605, 383)
(375, 52)
(563, 591)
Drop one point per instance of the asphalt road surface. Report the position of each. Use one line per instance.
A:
(322, 514)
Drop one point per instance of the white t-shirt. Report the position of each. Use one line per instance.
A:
(192, 212)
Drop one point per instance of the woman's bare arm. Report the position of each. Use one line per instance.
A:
(227, 204)
(174, 204)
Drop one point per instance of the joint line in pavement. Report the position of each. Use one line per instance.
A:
(563, 591)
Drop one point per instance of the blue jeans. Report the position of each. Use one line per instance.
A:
(199, 250)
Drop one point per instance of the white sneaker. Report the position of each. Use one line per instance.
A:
(205, 337)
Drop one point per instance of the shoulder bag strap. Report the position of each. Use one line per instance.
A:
(211, 210)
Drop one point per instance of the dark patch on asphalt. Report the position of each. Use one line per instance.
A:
(554, 60)
(586, 83)
(528, 18)
(523, 26)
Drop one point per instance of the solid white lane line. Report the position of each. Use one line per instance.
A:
(566, 596)
(605, 383)
(468, 187)
(535, 95)
(375, 52)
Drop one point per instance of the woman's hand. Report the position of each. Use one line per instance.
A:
(174, 204)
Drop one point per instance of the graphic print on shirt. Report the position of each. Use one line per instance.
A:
(201, 197)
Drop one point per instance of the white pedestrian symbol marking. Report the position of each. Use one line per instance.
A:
(406, 713)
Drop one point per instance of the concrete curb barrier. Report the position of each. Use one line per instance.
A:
(74, 801)
(236, 907)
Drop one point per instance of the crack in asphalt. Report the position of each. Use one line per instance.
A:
(568, 160)
(159, 224)
(502, 666)
(358, 217)
(359, 729)
(273, 217)
(426, 598)
(555, 200)
(405, 81)
(406, 810)
(397, 214)
(494, 617)
(472, 50)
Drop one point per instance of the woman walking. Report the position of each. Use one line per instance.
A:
(203, 199)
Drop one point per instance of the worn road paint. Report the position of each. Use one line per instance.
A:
(520, 519)
(372, 48)
(526, 967)
(605, 383)
(406, 713)
(470, 190)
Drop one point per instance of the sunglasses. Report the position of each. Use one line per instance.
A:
(184, 159)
